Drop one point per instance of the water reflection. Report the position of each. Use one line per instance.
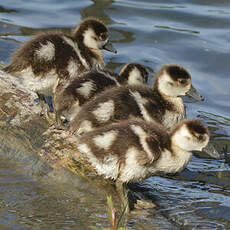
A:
(177, 29)
(97, 10)
(220, 11)
(4, 10)
(150, 4)
(26, 203)
(220, 130)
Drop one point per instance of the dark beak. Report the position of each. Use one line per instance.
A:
(108, 46)
(211, 151)
(193, 93)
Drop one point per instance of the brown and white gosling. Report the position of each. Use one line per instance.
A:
(68, 99)
(133, 150)
(161, 103)
(133, 73)
(49, 57)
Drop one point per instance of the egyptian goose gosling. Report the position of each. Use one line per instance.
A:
(49, 57)
(133, 150)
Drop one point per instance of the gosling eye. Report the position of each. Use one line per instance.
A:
(182, 81)
(102, 36)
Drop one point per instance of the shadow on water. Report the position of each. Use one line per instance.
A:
(192, 33)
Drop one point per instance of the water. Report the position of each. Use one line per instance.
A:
(192, 33)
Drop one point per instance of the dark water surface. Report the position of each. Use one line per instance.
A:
(195, 34)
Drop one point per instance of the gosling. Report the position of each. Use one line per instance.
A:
(48, 58)
(133, 150)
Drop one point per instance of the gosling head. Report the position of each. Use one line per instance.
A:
(190, 135)
(93, 34)
(174, 81)
(133, 73)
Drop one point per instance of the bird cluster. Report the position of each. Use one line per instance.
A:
(127, 129)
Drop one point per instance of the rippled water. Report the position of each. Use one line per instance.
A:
(192, 33)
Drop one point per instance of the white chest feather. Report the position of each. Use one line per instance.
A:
(171, 164)
(135, 77)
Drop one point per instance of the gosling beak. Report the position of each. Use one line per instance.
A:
(108, 46)
(211, 151)
(193, 93)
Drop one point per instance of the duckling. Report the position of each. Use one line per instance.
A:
(69, 99)
(133, 150)
(161, 103)
(133, 73)
(49, 57)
